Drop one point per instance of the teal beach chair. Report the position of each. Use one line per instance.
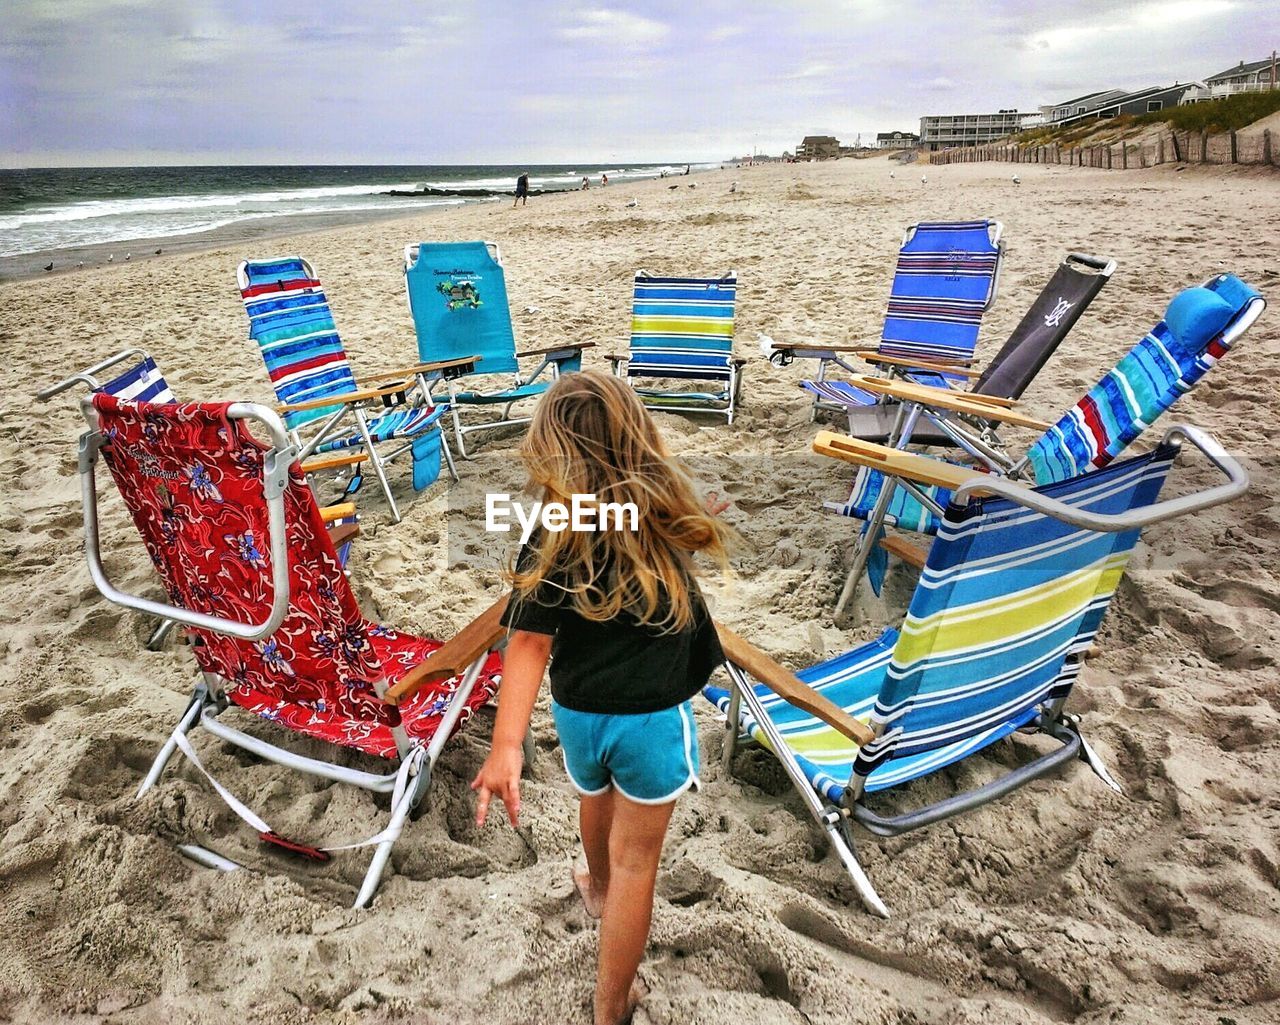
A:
(1011, 596)
(458, 300)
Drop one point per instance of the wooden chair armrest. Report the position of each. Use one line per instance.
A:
(333, 462)
(912, 555)
(614, 357)
(343, 533)
(832, 350)
(746, 656)
(945, 398)
(895, 462)
(347, 399)
(341, 511)
(738, 361)
(556, 348)
(453, 657)
(444, 367)
(929, 366)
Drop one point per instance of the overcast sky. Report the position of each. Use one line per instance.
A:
(275, 81)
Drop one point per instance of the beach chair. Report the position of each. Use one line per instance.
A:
(1068, 293)
(143, 381)
(235, 533)
(682, 330)
(293, 327)
(1199, 327)
(947, 277)
(1016, 584)
(457, 295)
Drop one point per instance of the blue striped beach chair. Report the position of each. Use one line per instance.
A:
(1012, 594)
(946, 278)
(1199, 328)
(291, 323)
(682, 330)
(457, 295)
(142, 381)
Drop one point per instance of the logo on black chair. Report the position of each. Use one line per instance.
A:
(1054, 317)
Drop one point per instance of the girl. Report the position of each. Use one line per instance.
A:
(630, 641)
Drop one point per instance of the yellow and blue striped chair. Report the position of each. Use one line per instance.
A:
(1010, 598)
(682, 330)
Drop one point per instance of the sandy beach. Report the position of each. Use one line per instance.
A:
(1062, 903)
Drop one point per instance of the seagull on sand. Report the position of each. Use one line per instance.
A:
(111, 257)
(1017, 180)
(924, 179)
(128, 257)
(157, 252)
(892, 175)
(49, 265)
(634, 202)
(733, 187)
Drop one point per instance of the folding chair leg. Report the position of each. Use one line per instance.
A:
(161, 634)
(166, 752)
(413, 793)
(867, 542)
(458, 432)
(379, 467)
(731, 727)
(841, 837)
(448, 454)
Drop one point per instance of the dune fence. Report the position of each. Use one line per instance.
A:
(1149, 150)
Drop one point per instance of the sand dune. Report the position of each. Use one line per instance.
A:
(1064, 903)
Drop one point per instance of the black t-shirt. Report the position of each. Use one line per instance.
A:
(617, 667)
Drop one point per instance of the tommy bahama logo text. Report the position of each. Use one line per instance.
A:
(583, 513)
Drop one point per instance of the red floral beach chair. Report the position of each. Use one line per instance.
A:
(239, 543)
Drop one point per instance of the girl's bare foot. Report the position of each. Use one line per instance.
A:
(638, 992)
(592, 898)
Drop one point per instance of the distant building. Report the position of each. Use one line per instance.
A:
(1080, 105)
(896, 140)
(1142, 101)
(1243, 78)
(943, 131)
(818, 147)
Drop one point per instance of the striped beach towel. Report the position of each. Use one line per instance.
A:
(141, 383)
(1008, 601)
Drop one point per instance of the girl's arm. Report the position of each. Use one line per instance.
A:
(523, 664)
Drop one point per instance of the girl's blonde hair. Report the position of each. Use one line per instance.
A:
(591, 435)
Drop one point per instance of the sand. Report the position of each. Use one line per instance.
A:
(1063, 903)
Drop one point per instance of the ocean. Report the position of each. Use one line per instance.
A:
(44, 209)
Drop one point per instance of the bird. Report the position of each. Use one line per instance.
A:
(670, 187)
(733, 187)
(157, 252)
(924, 179)
(49, 265)
(693, 185)
(111, 257)
(80, 264)
(128, 257)
(892, 175)
(1017, 180)
(634, 202)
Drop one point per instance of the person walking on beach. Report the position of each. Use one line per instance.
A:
(522, 190)
(586, 182)
(620, 617)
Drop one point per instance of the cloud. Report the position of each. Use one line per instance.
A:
(615, 28)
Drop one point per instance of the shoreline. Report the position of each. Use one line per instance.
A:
(28, 266)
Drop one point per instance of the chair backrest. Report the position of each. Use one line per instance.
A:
(1198, 328)
(1007, 602)
(1074, 285)
(192, 478)
(142, 382)
(683, 327)
(290, 319)
(947, 277)
(458, 300)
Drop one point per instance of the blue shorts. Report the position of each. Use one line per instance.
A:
(650, 758)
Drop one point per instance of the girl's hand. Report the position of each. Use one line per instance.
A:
(499, 777)
(715, 505)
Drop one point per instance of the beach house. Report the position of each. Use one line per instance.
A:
(896, 140)
(942, 131)
(1257, 76)
(1080, 104)
(818, 147)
